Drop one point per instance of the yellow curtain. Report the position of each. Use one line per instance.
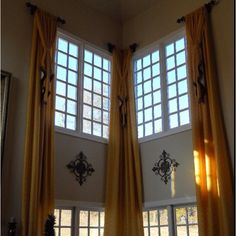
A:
(213, 171)
(38, 173)
(123, 211)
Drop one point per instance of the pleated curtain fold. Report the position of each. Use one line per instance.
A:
(123, 211)
(213, 170)
(38, 172)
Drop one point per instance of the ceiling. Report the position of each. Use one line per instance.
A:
(120, 10)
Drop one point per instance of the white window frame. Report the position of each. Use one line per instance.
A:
(82, 44)
(160, 45)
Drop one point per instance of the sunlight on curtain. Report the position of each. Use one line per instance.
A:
(213, 170)
(38, 173)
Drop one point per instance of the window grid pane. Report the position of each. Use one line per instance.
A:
(96, 93)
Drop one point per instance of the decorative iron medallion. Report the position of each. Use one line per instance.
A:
(165, 166)
(81, 168)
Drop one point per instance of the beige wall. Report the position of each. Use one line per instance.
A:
(98, 29)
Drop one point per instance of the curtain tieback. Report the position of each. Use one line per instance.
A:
(123, 110)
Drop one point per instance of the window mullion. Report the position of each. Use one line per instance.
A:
(171, 224)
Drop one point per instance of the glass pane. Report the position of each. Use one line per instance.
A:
(62, 45)
(163, 217)
(157, 97)
(170, 63)
(171, 76)
(156, 84)
(145, 218)
(61, 88)
(158, 125)
(72, 92)
(154, 231)
(105, 77)
(146, 232)
(181, 72)
(62, 59)
(83, 232)
(86, 128)
(88, 56)
(93, 232)
(61, 73)
(87, 97)
(87, 112)
(105, 64)
(184, 119)
(164, 231)
(182, 87)
(60, 119)
(156, 69)
(97, 73)
(172, 105)
(105, 117)
(140, 131)
(180, 58)
(105, 104)
(147, 73)
(97, 60)
(146, 61)
(71, 107)
(70, 122)
(139, 90)
(139, 77)
(56, 214)
(88, 69)
(173, 119)
(94, 215)
(97, 114)
(101, 219)
(56, 231)
(180, 214)
(153, 216)
(66, 217)
(73, 50)
(192, 215)
(97, 100)
(169, 49)
(101, 231)
(60, 103)
(155, 56)
(138, 64)
(140, 103)
(105, 131)
(96, 129)
(87, 83)
(106, 90)
(179, 45)
(193, 230)
(148, 114)
(147, 87)
(72, 77)
(140, 117)
(183, 102)
(97, 87)
(148, 129)
(157, 111)
(147, 100)
(172, 91)
(182, 231)
(73, 63)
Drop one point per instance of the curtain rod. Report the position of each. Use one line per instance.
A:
(208, 6)
(33, 8)
(132, 47)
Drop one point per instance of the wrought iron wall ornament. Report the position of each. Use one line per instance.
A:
(165, 166)
(81, 168)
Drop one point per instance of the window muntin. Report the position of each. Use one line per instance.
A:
(186, 222)
(82, 89)
(96, 94)
(161, 89)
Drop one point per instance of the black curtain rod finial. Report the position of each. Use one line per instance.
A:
(180, 20)
(110, 47)
(133, 47)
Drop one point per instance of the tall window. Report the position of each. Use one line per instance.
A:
(161, 89)
(83, 76)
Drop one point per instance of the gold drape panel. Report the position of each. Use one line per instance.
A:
(123, 212)
(38, 175)
(213, 171)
